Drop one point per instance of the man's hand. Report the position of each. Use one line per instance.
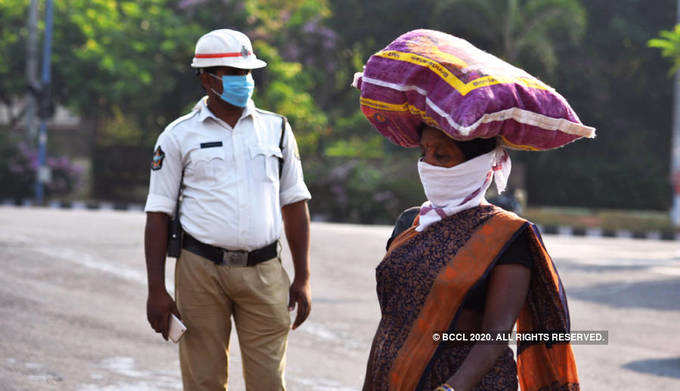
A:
(159, 306)
(300, 294)
(296, 224)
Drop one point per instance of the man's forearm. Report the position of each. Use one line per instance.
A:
(296, 224)
(155, 247)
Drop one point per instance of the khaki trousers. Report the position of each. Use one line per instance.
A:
(207, 296)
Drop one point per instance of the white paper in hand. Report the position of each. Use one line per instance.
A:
(177, 329)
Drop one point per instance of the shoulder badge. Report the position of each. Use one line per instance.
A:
(157, 161)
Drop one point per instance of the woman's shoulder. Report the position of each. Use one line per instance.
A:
(518, 250)
(407, 216)
(404, 222)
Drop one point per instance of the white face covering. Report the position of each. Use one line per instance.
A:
(450, 190)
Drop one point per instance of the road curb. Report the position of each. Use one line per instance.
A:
(77, 205)
(545, 229)
(607, 233)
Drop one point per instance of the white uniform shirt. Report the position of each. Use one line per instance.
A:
(232, 195)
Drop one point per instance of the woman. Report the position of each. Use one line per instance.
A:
(466, 266)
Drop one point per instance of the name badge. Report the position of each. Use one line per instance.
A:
(211, 145)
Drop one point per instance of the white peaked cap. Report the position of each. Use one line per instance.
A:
(225, 47)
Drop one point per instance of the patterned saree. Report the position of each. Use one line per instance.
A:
(422, 283)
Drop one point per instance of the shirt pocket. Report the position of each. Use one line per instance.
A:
(207, 165)
(265, 160)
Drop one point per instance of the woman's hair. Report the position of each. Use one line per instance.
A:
(472, 148)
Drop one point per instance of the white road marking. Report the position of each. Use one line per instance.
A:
(125, 366)
(33, 365)
(100, 264)
(669, 271)
(322, 384)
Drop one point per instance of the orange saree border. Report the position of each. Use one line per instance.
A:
(447, 294)
(539, 367)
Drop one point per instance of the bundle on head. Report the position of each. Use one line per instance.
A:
(427, 76)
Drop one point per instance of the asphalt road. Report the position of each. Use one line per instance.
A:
(73, 293)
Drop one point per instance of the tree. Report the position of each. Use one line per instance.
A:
(126, 63)
(619, 85)
(519, 31)
(13, 33)
(275, 27)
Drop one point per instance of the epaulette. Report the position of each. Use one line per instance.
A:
(181, 119)
(269, 113)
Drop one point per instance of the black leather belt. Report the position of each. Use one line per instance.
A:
(230, 257)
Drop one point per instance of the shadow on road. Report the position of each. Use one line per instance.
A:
(668, 367)
(659, 294)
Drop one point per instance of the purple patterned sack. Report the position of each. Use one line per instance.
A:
(427, 76)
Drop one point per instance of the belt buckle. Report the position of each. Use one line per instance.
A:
(235, 258)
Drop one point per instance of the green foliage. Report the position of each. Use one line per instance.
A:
(584, 218)
(361, 190)
(618, 84)
(519, 31)
(284, 90)
(669, 44)
(122, 55)
(125, 65)
(527, 33)
(13, 34)
(118, 129)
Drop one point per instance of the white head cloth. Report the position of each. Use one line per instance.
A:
(450, 190)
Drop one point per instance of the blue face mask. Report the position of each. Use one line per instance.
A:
(236, 90)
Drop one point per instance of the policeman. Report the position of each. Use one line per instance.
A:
(241, 178)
